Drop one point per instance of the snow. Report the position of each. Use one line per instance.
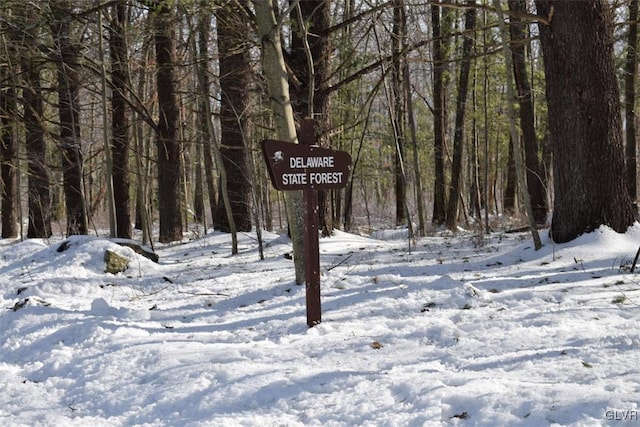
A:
(451, 330)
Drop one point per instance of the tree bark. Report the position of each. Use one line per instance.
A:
(398, 115)
(204, 23)
(310, 62)
(535, 183)
(9, 159)
(439, 115)
(411, 122)
(517, 146)
(68, 51)
(461, 106)
(235, 80)
(511, 186)
(120, 139)
(168, 147)
(584, 119)
(39, 193)
(630, 69)
(274, 69)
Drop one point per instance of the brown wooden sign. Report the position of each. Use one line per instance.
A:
(310, 168)
(305, 167)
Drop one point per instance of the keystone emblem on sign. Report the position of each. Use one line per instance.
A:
(305, 167)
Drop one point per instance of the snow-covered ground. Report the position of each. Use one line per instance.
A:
(460, 330)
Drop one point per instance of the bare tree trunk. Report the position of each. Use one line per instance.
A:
(68, 50)
(439, 114)
(343, 211)
(485, 108)
(120, 138)
(475, 187)
(348, 210)
(630, 69)
(204, 23)
(198, 188)
(422, 224)
(461, 105)
(275, 72)
(310, 61)
(517, 148)
(39, 199)
(169, 158)
(535, 181)
(235, 78)
(111, 208)
(9, 159)
(142, 159)
(584, 119)
(511, 186)
(199, 214)
(398, 115)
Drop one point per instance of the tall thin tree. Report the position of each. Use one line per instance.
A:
(207, 130)
(398, 117)
(630, 70)
(513, 133)
(461, 107)
(120, 137)
(310, 62)
(520, 40)
(276, 76)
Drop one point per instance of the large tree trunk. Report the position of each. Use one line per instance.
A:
(461, 106)
(9, 159)
(68, 51)
(535, 182)
(584, 119)
(439, 115)
(39, 198)
(235, 80)
(168, 146)
(120, 140)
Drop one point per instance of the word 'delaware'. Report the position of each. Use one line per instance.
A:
(311, 162)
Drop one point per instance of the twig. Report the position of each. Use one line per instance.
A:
(635, 260)
(341, 262)
(205, 294)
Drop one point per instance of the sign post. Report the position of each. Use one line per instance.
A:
(311, 243)
(310, 168)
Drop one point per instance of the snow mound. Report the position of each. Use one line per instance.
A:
(77, 260)
(86, 253)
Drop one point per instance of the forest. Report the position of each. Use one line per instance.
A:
(148, 114)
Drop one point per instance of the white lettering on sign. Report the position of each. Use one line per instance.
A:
(311, 162)
(325, 178)
(294, 179)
